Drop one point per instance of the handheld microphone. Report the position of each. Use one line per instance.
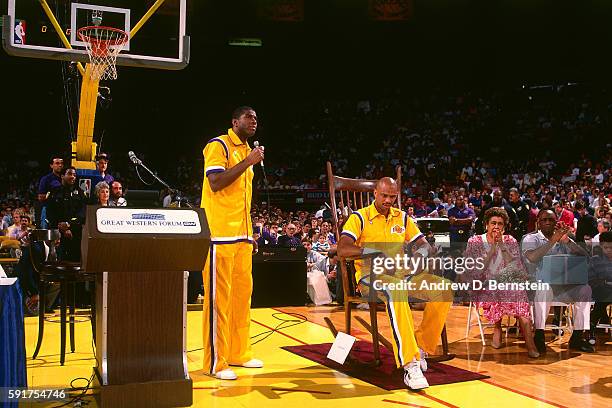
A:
(256, 144)
(263, 171)
(133, 158)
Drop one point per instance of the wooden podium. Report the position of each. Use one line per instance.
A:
(140, 257)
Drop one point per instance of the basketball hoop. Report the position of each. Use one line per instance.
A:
(103, 44)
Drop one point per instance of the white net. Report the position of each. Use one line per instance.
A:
(103, 44)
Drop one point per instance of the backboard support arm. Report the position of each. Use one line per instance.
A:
(58, 29)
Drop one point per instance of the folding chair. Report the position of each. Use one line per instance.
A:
(482, 325)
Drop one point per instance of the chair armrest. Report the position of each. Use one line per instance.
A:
(367, 254)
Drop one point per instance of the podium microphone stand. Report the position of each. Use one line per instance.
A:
(182, 201)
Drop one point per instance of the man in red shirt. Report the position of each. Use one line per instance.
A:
(564, 215)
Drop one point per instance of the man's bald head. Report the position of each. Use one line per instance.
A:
(546, 221)
(546, 214)
(385, 194)
(386, 182)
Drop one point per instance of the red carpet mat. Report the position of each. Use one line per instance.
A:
(386, 376)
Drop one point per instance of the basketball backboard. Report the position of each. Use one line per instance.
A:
(157, 30)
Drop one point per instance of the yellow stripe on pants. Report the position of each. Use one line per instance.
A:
(228, 284)
(406, 340)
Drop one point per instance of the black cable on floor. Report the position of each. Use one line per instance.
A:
(293, 322)
(79, 397)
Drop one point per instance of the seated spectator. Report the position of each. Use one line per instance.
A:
(476, 199)
(447, 204)
(564, 215)
(257, 238)
(7, 220)
(326, 231)
(501, 256)
(2, 213)
(420, 210)
(306, 231)
(13, 229)
(290, 240)
(28, 278)
(322, 245)
(167, 198)
(486, 201)
(102, 193)
(21, 233)
(298, 228)
(317, 286)
(603, 225)
(436, 209)
(600, 199)
(533, 216)
(601, 212)
(552, 239)
(116, 195)
(586, 226)
(334, 281)
(258, 234)
(499, 202)
(600, 280)
(270, 236)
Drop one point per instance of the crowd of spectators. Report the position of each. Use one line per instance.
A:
(516, 138)
(549, 143)
(523, 149)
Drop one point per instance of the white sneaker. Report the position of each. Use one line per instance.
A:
(423, 361)
(413, 376)
(253, 363)
(363, 306)
(227, 374)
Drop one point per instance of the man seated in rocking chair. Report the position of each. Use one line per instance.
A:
(382, 226)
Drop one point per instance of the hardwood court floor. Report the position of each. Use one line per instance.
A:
(562, 379)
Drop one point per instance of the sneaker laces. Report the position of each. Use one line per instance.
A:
(414, 369)
(422, 361)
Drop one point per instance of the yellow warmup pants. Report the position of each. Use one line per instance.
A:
(228, 285)
(406, 340)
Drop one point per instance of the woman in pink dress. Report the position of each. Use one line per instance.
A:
(502, 262)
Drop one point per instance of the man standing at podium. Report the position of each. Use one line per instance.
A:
(226, 199)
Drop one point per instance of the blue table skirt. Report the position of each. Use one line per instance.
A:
(12, 339)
